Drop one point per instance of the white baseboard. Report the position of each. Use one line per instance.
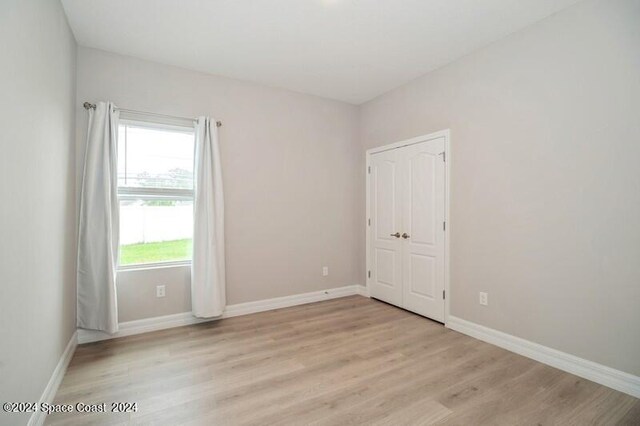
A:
(50, 390)
(146, 325)
(607, 376)
(362, 290)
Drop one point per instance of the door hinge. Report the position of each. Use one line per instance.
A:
(369, 274)
(444, 158)
(369, 222)
(369, 169)
(444, 226)
(443, 294)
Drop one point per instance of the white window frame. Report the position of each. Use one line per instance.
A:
(128, 193)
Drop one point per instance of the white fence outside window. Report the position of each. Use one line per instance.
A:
(147, 224)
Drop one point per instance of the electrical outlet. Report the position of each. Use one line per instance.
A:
(484, 298)
(325, 271)
(160, 290)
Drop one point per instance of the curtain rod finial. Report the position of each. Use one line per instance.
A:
(88, 105)
(218, 123)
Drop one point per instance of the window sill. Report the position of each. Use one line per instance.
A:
(145, 266)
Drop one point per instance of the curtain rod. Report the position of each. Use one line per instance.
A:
(88, 105)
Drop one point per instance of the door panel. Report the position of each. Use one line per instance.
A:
(422, 267)
(423, 219)
(385, 175)
(422, 198)
(386, 266)
(386, 217)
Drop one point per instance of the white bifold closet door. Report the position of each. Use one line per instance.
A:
(407, 227)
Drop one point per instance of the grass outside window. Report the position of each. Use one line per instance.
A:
(156, 252)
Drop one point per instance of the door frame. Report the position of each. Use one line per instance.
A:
(446, 134)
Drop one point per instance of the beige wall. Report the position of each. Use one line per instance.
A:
(545, 130)
(37, 189)
(290, 174)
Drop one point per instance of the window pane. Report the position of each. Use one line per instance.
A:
(154, 231)
(151, 157)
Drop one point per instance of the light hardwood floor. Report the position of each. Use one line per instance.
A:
(345, 361)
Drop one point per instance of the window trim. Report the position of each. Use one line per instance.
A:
(128, 193)
(154, 265)
(140, 119)
(150, 193)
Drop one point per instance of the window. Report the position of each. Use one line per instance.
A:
(155, 191)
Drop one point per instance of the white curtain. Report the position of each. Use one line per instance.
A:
(208, 298)
(98, 230)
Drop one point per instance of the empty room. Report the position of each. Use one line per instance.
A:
(320, 212)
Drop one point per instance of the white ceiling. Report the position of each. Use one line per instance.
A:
(350, 50)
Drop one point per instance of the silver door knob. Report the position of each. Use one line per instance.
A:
(405, 236)
(397, 235)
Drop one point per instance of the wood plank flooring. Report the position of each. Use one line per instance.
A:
(345, 361)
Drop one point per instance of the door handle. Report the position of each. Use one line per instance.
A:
(397, 235)
(406, 236)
